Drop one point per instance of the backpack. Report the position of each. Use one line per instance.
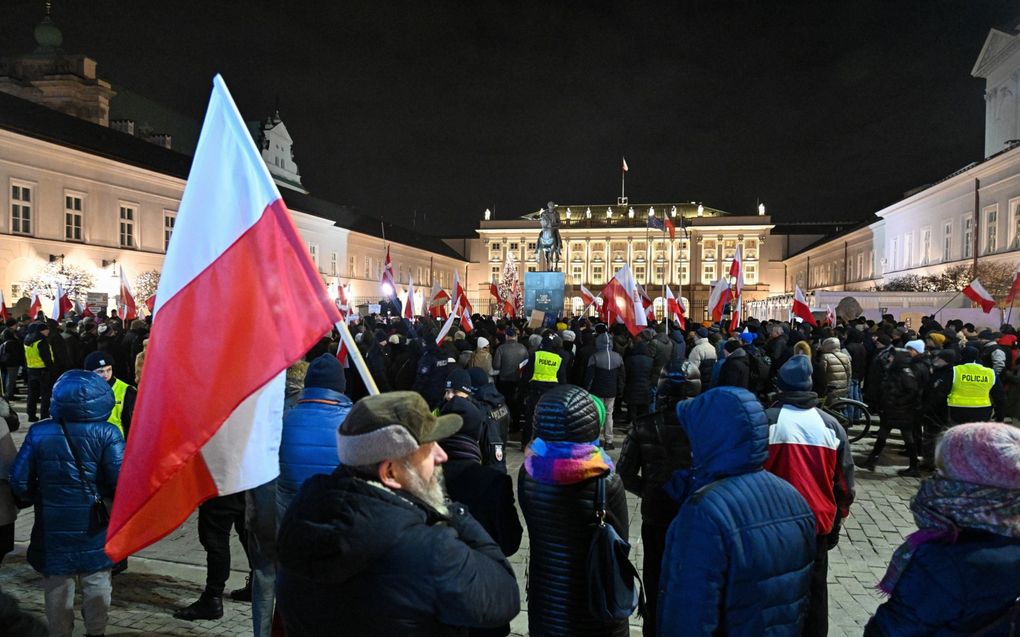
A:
(495, 429)
(5, 355)
(760, 372)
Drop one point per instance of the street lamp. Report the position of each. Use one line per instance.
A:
(630, 213)
(609, 212)
(587, 213)
(568, 213)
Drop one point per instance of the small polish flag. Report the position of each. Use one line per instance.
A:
(409, 302)
(61, 303)
(389, 289)
(234, 244)
(801, 309)
(437, 301)
(977, 293)
(830, 315)
(737, 271)
(1015, 288)
(494, 291)
(4, 314)
(646, 304)
(674, 309)
(622, 303)
(126, 306)
(718, 299)
(587, 298)
(460, 299)
(35, 306)
(445, 329)
(150, 303)
(625, 168)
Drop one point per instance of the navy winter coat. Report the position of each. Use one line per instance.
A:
(308, 443)
(952, 590)
(45, 473)
(739, 553)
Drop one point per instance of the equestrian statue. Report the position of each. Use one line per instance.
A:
(549, 244)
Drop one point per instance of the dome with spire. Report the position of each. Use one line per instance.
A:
(47, 35)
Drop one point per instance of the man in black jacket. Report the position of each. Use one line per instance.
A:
(375, 549)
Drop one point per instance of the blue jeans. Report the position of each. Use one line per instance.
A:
(853, 413)
(10, 380)
(261, 521)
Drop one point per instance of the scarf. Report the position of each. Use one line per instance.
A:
(565, 462)
(943, 508)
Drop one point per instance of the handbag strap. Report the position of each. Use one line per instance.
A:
(600, 501)
(85, 484)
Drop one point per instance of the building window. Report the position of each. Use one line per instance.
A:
(368, 268)
(639, 274)
(893, 253)
(532, 246)
(313, 251)
(169, 219)
(351, 267)
(577, 273)
(333, 266)
(947, 241)
(1014, 223)
(127, 225)
(860, 266)
(708, 250)
(908, 250)
(532, 268)
(991, 229)
(73, 205)
(684, 274)
(968, 236)
(925, 246)
(729, 248)
(494, 252)
(514, 246)
(708, 273)
(495, 274)
(751, 273)
(21, 209)
(751, 249)
(596, 274)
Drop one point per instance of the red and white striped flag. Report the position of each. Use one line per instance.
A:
(830, 315)
(127, 309)
(409, 302)
(646, 304)
(437, 301)
(386, 282)
(801, 308)
(623, 302)
(718, 299)
(494, 291)
(61, 303)
(737, 271)
(587, 298)
(35, 306)
(208, 416)
(4, 314)
(674, 310)
(1015, 288)
(977, 293)
(460, 299)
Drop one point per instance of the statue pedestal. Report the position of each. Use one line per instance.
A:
(543, 291)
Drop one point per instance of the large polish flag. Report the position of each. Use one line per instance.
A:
(409, 301)
(4, 314)
(674, 310)
(126, 306)
(977, 293)
(208, 416)
(718, 298)
(623, 301)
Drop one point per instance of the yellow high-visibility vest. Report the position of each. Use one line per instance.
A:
(972, 385)
(32, 358)
(547, 366)
(119, 390)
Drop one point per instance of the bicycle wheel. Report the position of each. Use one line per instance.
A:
(857, 428)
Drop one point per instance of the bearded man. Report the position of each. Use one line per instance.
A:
(375, 548)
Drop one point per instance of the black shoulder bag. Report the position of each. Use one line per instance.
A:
(614, 586)
(1009, 618)
(99, 515)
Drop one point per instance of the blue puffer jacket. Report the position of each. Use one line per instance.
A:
(739, 552)
(308, 443)
(953, 590)
(45, 473)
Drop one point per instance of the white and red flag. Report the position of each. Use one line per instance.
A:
(447, 325)
(587, 298)
(625, 167)
(4, 314)
(830, 315)
(646, 304)
(801, 308)
(494, 291)
(460, 299)
(61, 303)
(737, 271)
(1015, 288)
(150, 303)
(437, 301)
(409, 302)
(674, 309)
(623, 302)
(718, 298)
(127, 309)
(977, 293)
(209, 412)
(35, 306)
(389, 288)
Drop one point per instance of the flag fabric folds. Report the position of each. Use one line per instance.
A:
(655, 222)
(61, 303)
(386, 282)
(623, 301)
(671, 228)
(208, 413)
(35, 306)
(437, 301)
(830, 315)
(737, 271)
(718, 299)
(801, 308)
(1013, 290)
(674, 309)
(587, 298)
(409, 303)
(4, 314)
(977, 293)
(127, 309)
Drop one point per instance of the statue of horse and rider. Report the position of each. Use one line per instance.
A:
(549, 244)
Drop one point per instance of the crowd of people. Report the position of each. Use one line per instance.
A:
(394, 513)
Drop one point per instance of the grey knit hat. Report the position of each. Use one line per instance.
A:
(389, 426)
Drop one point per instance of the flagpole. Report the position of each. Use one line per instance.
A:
(953, 298)
(1010, 313)
(355, 355)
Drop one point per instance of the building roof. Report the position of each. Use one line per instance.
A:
(39, 122)
(836, 235)
(603, 215)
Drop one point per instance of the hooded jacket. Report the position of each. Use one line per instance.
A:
(678, 354)
(735, 370)
(605, 375)
(308, 441)
(721, 572)
(834, 369)
(559, 519)
(640, 366)
(45, 473)
(358, 557)
(703, 357)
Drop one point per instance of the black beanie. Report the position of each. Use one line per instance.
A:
(326, 372)
(795, 374)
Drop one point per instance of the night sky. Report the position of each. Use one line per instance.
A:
(820, 109)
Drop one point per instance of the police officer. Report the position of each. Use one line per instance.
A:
(970, 398)
(40, 366)
(545, 370)
(124, 395)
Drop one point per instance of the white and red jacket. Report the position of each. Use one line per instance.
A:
(809, 449)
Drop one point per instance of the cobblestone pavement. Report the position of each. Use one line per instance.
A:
(171, 573)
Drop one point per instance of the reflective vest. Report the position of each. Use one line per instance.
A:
(972, 384)
(119, 390)
(547, 365)
(32, 358)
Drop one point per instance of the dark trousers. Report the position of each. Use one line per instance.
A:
(653, 538)
(10, 381)
(906, 430)
(216, 517)
(816, 622)
(963, 415)
(509, 389)
(40, 388)
(535, 391)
